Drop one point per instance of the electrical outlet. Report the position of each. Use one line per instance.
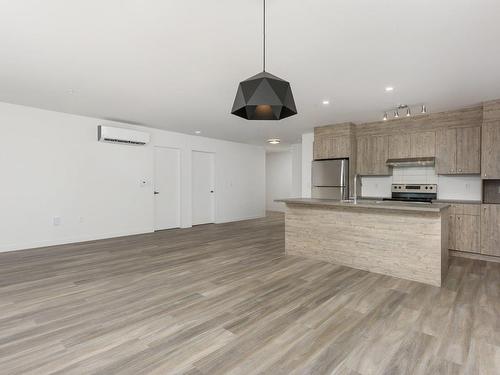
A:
(57, 220)
(81, 220)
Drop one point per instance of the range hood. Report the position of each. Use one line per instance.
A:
(412, 162)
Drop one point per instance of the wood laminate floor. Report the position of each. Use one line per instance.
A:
(224, 299)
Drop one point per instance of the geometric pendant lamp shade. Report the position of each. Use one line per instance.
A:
(264, 97)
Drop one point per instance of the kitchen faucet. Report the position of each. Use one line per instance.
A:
(355, 198)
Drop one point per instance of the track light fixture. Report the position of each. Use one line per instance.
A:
(402, 107)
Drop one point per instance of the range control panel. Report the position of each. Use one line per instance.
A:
(414, 188)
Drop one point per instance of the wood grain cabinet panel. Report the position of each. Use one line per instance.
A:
(372, 155)
(490, 150)
(452, 243)
(458, 151)
(467, 233)
(399, 146)
(465, 227)
(363, 152)
(380, 154)
(446, 151)
(423, 144)
(332, 147)
(340, 147)
(468, 159)
(490, 229)
(320, 148)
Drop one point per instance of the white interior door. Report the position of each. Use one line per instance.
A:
(203, 188)
(167, 188)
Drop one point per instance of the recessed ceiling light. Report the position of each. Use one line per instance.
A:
(389, 88)
(273, 141)
(197, 132)
(326, 102)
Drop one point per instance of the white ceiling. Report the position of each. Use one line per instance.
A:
(176, 64)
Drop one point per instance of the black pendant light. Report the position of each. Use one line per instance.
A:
(264, 96)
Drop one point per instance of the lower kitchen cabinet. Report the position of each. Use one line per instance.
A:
(467, 233)
(465, 228)
(490, 229)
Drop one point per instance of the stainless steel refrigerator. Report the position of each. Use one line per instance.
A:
(330, 179)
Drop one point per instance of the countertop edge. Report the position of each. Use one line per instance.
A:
(436, 208)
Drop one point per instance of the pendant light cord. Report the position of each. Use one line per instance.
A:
(264, 37)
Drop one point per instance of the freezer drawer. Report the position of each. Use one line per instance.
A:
(337, 193)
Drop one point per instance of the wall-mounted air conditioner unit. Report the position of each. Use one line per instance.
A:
(120, 135)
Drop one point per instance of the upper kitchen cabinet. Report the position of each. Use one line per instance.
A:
(332, 147)
(423, 144)
(490, 160)
(399, 146)
(373, 152)
(333, 141)
(446, 151)
(458, 150)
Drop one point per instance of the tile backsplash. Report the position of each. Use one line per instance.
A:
(449, 187)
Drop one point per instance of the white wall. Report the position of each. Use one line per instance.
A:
(53, 166)
(449, 187)
(307, 157)
(278, 179)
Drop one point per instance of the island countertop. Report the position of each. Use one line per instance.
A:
(370, 204)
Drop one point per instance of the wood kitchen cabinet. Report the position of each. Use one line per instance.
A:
(423, 144)
(332, 147)
(469, 150)
(465, 228)
(399, 146)
(458, 151)
(490, 229)
(467, 233)
(446, 151)
(372, 155)
(490, 159)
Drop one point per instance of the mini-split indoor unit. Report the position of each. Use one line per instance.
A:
(120, 135)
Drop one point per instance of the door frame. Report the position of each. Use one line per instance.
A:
(179, 179)
(214, 163)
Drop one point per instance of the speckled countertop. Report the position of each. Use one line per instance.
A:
(370, 204)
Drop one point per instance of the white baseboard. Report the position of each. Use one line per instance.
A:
(71, 240)
(241, 218)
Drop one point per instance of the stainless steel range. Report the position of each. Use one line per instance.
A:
(413, 193)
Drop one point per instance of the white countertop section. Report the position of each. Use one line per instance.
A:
(371, 204)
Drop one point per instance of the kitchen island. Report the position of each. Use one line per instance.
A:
(405, 240)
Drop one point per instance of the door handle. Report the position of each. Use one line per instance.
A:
(211, 191)
(156, 192)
